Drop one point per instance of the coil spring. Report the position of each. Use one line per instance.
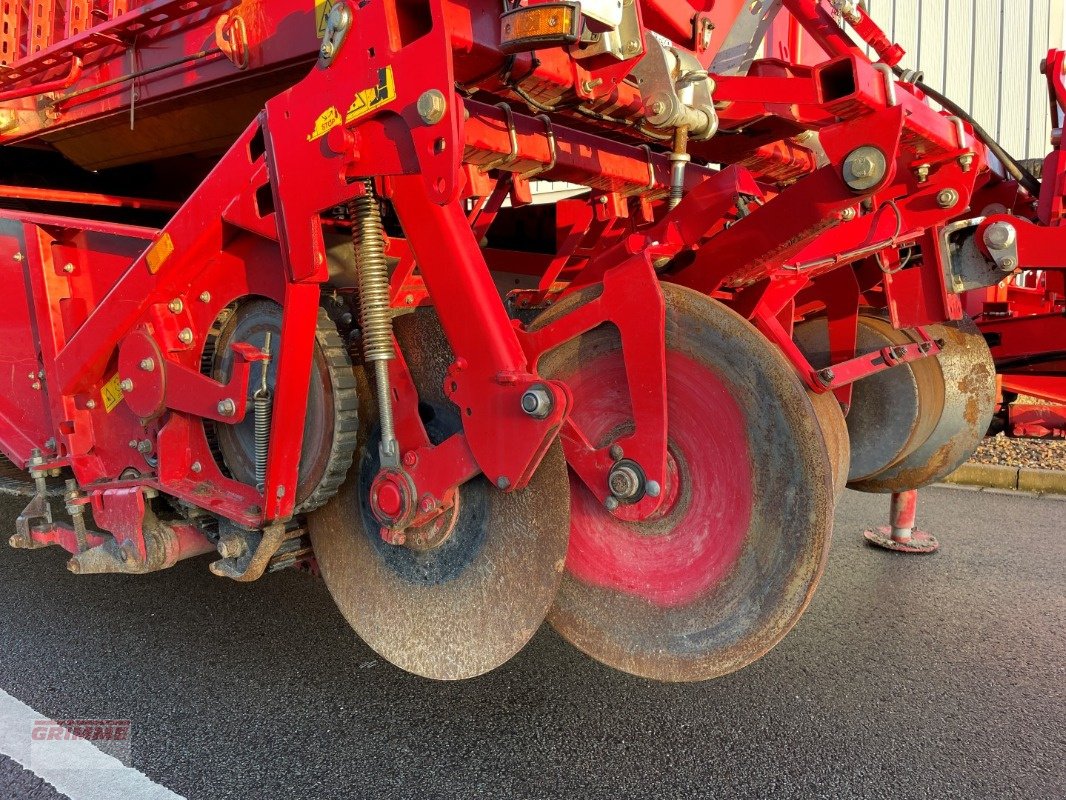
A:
(262, 405)
(374, 315)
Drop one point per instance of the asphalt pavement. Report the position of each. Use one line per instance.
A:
(910, 676)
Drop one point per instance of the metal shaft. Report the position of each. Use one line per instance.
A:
(679, 159)
(375, 316)
(904, 511)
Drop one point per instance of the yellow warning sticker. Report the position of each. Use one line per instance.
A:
(327, 121)
(159, 252)
(374, 97)
(111, 394)
(322, 9)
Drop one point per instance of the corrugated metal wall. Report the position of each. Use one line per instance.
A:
(985, 55)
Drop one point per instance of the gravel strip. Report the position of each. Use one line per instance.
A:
(1024, 453)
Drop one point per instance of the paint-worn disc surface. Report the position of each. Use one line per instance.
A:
(731, 561)
(835, 432)
(969, 377)
(464, 606)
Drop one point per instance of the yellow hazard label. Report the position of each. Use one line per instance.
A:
(327, 121)
(159, 252)
(366, 100)
(111, 394)
(322, 9)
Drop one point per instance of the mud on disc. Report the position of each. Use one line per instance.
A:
(466, 592)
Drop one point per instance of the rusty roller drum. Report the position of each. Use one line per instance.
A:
(969, 378)
(465, 592)
(893, 412)
(724, 570)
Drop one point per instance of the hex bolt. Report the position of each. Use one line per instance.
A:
(625, 481)
(205, 297)
(610, 504)
(848, 214)
(226, 407)
(176, 305)
(947, 198)
(126, 385)
(147, 364)
(427, 504)
(503, 482)
(1000, 235)
(185, 336)
(827, 376)
(133, 444)
(144, 447)
(432, 106)
(537, 401)
(1008, 265)
(68, 268)
(923, 173)
(862, 167)
(657, 108)
(90, 404)
(196, 467)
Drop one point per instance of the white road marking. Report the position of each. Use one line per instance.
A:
(84, 772)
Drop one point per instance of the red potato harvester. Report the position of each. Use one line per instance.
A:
(279, 289)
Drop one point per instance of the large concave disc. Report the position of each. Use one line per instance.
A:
(465, 593)
(730, 563)
(834, 429)
(968, 374)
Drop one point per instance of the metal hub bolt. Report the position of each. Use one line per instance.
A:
(864, 168)
(431, 106)
(227, 408)
(1000, 236)
(537, 401)
(625, 481)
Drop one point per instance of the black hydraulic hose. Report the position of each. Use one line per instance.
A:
(1028, 181)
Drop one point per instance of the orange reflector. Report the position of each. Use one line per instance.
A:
(541, 25)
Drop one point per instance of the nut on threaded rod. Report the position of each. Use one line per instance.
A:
(375, 316)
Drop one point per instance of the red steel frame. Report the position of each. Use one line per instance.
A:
(777, 235)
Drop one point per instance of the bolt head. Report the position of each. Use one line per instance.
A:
(947, 198)
(503, 482)
(848, 214)
(226, 407)
(68, 268)
(185, 336)
(653, 489)
(432, 105)
(147, 364)
(1000, 236)
(205, 297)
(616, 452)
(537, 401)
(176, 305)
(657, 108)
(610, 504)
(196, 467)
(90, 404)
(862, 167)
(126, 385)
